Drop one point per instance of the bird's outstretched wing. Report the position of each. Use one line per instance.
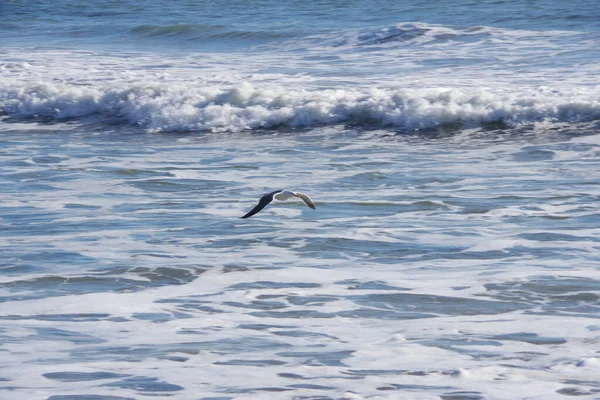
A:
(307, 200)
(262, 203)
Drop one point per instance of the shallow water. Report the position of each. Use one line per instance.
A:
(457, 265)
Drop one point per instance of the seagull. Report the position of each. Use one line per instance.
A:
(279, 195)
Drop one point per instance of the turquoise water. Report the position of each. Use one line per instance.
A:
(451, 152)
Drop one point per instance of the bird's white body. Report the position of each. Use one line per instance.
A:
(285, 195)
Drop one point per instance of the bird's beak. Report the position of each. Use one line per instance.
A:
(297, 195)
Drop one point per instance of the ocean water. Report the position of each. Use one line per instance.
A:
(452, 150)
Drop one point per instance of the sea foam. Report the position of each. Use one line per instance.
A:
(177, 106)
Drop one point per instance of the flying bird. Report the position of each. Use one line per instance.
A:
(279, 195)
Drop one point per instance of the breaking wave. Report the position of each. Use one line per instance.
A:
(181, 107)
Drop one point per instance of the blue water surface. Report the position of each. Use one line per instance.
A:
(224, 25)
(451, 148)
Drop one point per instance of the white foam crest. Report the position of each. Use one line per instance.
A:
(418, 33)
(182, 107)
